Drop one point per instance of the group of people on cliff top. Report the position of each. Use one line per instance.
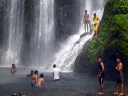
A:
(87, 23)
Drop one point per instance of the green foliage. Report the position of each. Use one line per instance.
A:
(110, 1)
(120, 7)
(112, 41)
(60, 9)
(111, 29)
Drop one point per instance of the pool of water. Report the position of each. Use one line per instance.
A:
(72, 84)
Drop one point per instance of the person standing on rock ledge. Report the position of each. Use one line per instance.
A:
(96, 21)
(120, 77)
(100, 74)
(86, 21)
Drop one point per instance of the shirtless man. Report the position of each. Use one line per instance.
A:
(34, 78)
(100, 74)
(120, 77)
(40, 81)
(13, 69)
(86, 20)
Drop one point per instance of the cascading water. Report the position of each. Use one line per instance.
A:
(42, 41)
(70, 49)
(13, 28)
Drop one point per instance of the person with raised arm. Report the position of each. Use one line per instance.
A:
(13, 69)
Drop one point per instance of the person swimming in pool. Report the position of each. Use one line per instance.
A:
(57, 74)
(41, 81)
(13, 69)
(30, 74)
(86, 21)
(34, 78)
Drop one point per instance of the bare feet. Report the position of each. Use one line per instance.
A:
(95, 36)
(101, 93)
(116, 93)
(121, 94)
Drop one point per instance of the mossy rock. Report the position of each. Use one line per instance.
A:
(112, 41)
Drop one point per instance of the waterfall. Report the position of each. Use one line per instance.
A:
(39, 48)
(73, 46)
(35, 45)
(12, 32)
(42, 40)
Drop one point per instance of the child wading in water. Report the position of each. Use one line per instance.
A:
(40, 81)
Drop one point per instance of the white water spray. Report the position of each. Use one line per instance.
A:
(71, 48)
(13, 32)
(42, 42)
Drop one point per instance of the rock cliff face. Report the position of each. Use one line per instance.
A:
(112, 41)
(67, 18)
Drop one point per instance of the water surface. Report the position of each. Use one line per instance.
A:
(72, 84)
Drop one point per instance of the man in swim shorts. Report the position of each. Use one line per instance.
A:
(57, 74)
(86, 20)
(100, 74)
(96, 21)
(120, 77)
(34, 78)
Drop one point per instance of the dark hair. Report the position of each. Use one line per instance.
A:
(54, 65)
(41, 75)
(99, 57)
(32, 71)
(36, 71)
(85, 10)
(119, 58)
(94, 14)
(13, 65)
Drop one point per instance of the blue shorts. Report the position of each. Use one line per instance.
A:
(56, 80)
(86, 21)
(33, 84)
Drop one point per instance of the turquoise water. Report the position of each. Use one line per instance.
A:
(72, 84)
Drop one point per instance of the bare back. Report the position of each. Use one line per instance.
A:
(34, 78)
(39, 82)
